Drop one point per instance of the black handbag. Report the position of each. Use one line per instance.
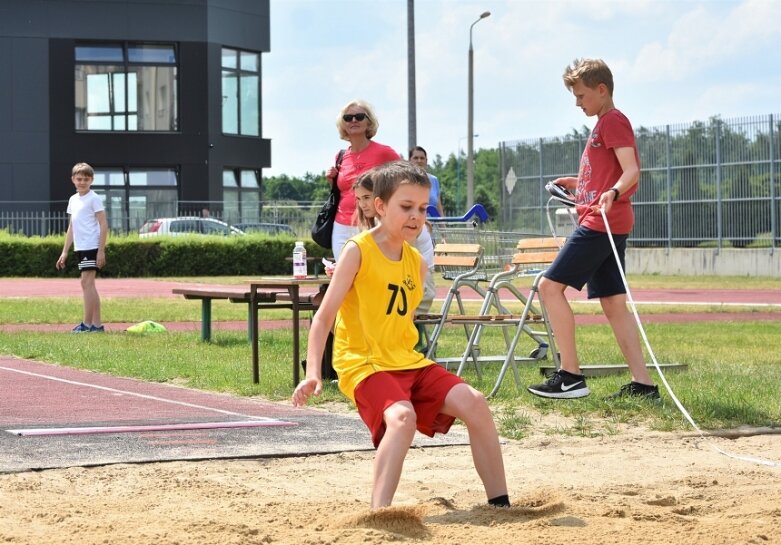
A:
(324, 223)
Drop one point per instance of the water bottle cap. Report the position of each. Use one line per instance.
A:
(299, 243)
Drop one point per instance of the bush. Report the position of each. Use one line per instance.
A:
(130, 256)
(762, 240)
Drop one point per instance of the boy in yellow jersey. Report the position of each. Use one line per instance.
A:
(376, 286)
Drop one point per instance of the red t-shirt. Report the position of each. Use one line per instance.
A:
(600, 170)
(353, 165)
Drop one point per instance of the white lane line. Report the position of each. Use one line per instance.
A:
(154, 427)
(136, 394)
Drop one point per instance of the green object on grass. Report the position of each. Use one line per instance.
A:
(147, 326)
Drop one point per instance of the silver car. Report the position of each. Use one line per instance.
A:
(186, 226)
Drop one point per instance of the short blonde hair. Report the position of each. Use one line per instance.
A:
(84, 169)
(591, 72)
(371, 129)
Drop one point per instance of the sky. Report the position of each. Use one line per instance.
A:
(673, 62)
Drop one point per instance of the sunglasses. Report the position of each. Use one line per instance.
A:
(353, 117)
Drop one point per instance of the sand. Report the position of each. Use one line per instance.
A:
(633, 486)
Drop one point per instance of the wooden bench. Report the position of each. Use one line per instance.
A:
(236, 295)
(207, 294)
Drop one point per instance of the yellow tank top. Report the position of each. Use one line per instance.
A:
(374, 326)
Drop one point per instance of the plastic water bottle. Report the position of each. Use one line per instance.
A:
(299, 260)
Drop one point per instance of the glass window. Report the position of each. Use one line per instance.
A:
(214, 228)
(230, 103)
(164, 176)
(135, 92)
(241, 195)
(99, 53)
(250, 120)
(229, 58)
(249, 61)
(240, 92)
(249, 179)
(158, 54)
(229, 179)
(132, 196)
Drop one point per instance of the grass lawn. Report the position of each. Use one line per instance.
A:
(732, 376)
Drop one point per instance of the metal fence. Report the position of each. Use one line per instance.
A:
(36, 222)
(714, 183)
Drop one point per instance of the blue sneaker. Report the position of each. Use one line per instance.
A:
(97, 329)
(81, 328)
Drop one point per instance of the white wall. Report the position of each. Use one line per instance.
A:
(710, 261)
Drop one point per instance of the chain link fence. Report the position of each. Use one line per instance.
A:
(702, 184)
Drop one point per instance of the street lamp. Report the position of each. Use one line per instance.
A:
(458, 172)
(470, 131)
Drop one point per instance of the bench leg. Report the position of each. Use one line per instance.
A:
(206, 319)
(249, 323)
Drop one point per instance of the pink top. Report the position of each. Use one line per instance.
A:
(353, 165)
(600, 170)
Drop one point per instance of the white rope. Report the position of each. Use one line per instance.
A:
(678, 404)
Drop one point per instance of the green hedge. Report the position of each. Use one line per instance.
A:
(130, 256)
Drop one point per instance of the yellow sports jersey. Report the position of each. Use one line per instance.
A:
(374, 326)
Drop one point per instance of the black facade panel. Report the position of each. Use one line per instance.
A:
(38, 140)
(240, 23)
(29, 178)
(6, 69)
(131, 20)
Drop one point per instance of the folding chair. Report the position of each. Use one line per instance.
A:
(533, 257)
(459, 263)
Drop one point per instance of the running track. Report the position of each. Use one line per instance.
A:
(766, 303)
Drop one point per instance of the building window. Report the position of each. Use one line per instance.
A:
(240, 92)
(133, 195)
(241, 195)
(126, 87)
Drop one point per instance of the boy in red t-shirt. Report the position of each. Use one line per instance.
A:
(607, 178)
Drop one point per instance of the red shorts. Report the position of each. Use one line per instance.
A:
(426, 388)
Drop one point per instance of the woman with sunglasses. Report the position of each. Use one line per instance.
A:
(357, 123)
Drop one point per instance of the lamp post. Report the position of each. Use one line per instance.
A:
(470, 131)
(458, 172)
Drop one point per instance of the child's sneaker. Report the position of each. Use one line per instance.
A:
(562, 385)
(97, 329)
(636, 389)
(81, 328)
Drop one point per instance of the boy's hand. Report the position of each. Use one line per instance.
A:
(61, 261)
(306, 388)
(100, 261)
(606, 200)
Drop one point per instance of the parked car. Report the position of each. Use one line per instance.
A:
(268, 228)
(186, 226)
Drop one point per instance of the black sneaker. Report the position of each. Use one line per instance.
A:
(636, 389)
(561, 385)
(81, 328)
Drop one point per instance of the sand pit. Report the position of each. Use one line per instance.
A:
(634, 487)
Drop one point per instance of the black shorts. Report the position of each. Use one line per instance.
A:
(587, 258)
(88, 260)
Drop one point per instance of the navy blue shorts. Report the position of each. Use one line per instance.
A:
(88, 260)
(587, 258)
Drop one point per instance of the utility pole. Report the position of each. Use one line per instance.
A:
(412, 122)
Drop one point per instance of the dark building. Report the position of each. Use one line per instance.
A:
(161, 97)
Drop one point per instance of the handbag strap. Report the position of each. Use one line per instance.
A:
(335, 186)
